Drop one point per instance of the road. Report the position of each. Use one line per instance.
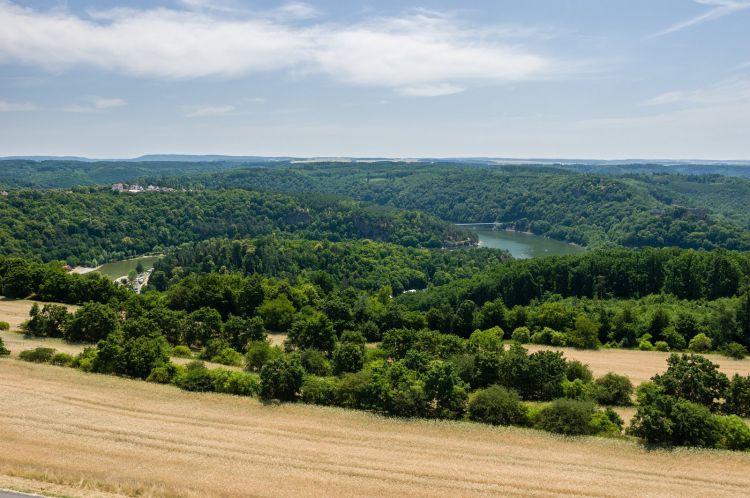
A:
(13, 494)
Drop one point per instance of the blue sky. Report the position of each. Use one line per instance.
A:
(529, 78)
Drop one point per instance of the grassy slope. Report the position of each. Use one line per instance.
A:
(91, 434)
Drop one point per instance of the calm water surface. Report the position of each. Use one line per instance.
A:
(523, 245)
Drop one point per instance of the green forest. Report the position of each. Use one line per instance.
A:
(658, 210)
(90, 226)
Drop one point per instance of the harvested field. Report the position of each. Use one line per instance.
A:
(16, 311)
(76, 434)
(640, 366)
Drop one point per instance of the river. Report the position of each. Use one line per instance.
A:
(523, 245)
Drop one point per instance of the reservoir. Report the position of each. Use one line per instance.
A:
(523, 245)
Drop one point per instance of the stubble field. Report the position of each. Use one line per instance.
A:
(639, 366)
(67, 433)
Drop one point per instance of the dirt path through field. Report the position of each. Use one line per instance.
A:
(95, 434)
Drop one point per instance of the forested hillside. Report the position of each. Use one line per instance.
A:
(589, 209)
(15, 173)
(90, 226)
(358, 264)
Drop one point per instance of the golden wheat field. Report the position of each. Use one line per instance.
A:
(67, 433)
(639, 366)
(16, 311)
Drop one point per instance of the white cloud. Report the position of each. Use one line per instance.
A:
(6, 106)
(208, 111)
(430, 90)
(96, 104)
(720, 8)
(421, 54)
(725, 92)
(296, 10)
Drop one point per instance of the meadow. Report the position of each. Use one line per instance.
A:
(63, 432)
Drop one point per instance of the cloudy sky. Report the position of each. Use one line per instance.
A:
(523, 78)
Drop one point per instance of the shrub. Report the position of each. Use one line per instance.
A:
(61, 360)
(497, 405)
(348, 357)
(50, 321)
(38, 355)
(546, 371)
(319, 390)
(574, 369)
(585, 333)
(614, 417)
(353, 336)
(3, 350)
(543, 336)
(693, 378)
(578, 389)
(165, 374)
(92, 322)
(734, 434)
(354, 390)
(521, 335)
(182, 351)
(486, 369)
(613, 389)
(444, 390)
(558, 339)
(734, 350)
(4, 325)
(669, 421)
(85, 359)
(237, 383)
(651, 424)
(212, 348)
(259, 353)
(228, 356)
(701, 343)
(314, 362)
(661, 346)
(239, 331)
(312, 332)
(565, 416)
(602, 425)
(371, 331)
(195, 377)
(486, 340)
(738, 396)
(674, 339)
(694, 425)
(465, 365)
(281, 379)
(645, 345)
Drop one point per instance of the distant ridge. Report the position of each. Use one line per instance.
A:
(473, 160)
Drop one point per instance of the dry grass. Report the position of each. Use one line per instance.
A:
(638, 365)
(16, 311)
(90, 435)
